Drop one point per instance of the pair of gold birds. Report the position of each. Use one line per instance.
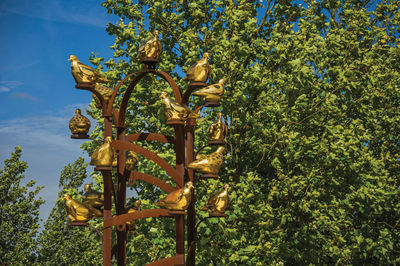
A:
(90, 207)
(181, 198)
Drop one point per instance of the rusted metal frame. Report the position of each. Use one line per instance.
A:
(120, 220)
(174, 173)
(177, 260)
(136, 79)
(151, 136)
(150, 179)
(180, 167)
(108, 187)
(122, 175)
(191, 212)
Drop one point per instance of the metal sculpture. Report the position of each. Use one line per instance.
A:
(217, 131)
(218, 203)
(79, 126)
(208, 164)
(180, 201)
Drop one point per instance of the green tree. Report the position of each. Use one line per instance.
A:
(19, 213)
(60, 243)
(312, 104)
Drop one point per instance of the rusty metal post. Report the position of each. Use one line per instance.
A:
(121, 200)
(180, 167)
(108, 188)
(191, 212)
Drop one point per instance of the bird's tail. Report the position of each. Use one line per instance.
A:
(193, 115)
(160, 204)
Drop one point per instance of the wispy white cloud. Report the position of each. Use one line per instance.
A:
(56, 10)
(7, 85)
(24, 96)
(19, 66)
(4, 89)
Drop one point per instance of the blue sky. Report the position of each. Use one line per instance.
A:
(37, 91)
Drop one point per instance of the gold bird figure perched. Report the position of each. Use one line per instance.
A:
(92, 198)
(209, 164)
(218, 203)
(105, 92)
(174, 110)
(83, 73)
(151, 48)
(218, 130)
(79, 125)
(212, 93)
(179, 199)
(104, 155)
(79, 212)
(135, 207)
(200, 71)
(131, 161)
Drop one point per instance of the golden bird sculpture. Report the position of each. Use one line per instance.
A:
(151, 48)
(105, 92)
(200, 71)
(79, 212)
(131, 161)
(104, 155)
(135, 207)
(179, 199)
(218, 203)
(218, 130)
(79, 125)
(83, 73)
(209, 164)
(212, 93)
(92, 198)
(174, 110)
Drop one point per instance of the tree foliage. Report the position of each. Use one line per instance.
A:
(312, 103)
(19, 212)
(60, 243)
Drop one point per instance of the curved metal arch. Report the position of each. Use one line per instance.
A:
(151, 136)
(136, 79)
(124, 145)
(177, 260)
(120, 220)
(150, 179)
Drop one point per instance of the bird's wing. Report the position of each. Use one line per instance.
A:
(178, 107)
(212, 89)
(213, 200)
(173, 197)
(85, 69)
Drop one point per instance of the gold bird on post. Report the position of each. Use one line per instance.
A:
(104, 155)
(131, 161)
(209, 164)
(212, 93)
(174, 110)
(179, 199)
(135, 207)
(92, 198)
(83, 73)
(218, 203)
(200, 71)
(79, 125)
(218, 130)
(151, 48)
(79, 212)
